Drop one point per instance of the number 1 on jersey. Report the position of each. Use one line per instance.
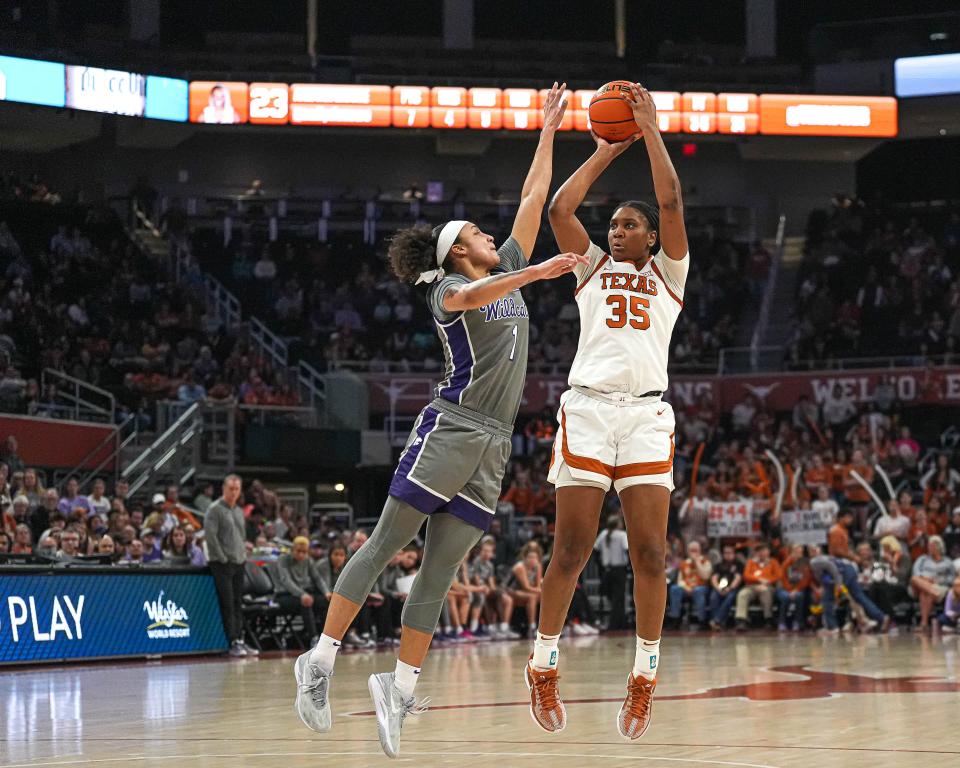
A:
(513, 350)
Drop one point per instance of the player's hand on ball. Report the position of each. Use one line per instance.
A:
(644, 110)
(615, 149)
(554, 107)
(559, 265)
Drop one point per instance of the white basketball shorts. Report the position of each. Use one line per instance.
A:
(618, 440)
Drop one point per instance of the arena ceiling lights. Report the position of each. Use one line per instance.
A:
(420, 107)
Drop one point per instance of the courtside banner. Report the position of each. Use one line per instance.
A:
(58, 615)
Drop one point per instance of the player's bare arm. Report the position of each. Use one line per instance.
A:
(569, 232)
(481, 292)
(533, 195)
(666, 183)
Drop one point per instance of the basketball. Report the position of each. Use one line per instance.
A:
(610, 115)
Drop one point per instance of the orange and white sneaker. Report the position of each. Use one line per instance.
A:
(546, 708)
(637, 709)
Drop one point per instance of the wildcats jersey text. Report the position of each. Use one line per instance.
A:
(626, 321)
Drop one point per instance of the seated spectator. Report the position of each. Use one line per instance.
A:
(495, 602)
(920, 534)
(792, 592)
(48, 548)
(72, 500)
(726, 581)
(760, 576)
(933, 575)
(22, 540)
(693, 579)
(458, 606)
(329, 569)
(838, 537)
(951, 535)
(99, 503)
(190, 391)
(151, 552)
(204, 497)
(949, 618)
(69, 545)
(134, 554)
(824, 504)
(888, 584)
(178, 551)
(301, 587)
(895, 523)
(106, 546)
(524, 583)
(4, 542)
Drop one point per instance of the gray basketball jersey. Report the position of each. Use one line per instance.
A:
(485, 349)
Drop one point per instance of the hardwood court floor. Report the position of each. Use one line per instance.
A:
(747, 701)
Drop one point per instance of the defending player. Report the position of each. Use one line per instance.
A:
(614, 427)
(450, 471)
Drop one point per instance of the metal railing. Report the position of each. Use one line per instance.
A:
(78, 399)
(224, 305)
(763, 320)
(124, 435)
(312, 387)
(174, 455)
(270, 345)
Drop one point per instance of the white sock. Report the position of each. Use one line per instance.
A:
(474, 625)
(448, 629)
(546, 654)
(325, 654)
(405, 679)
(504, 627)
(648, 658)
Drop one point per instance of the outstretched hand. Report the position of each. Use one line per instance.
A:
(614, 149)
(559, 265)
(643, 107)
(555, 106)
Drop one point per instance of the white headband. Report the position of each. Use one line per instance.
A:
(448, 236)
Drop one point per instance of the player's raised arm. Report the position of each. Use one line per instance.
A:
(533, 196)
(666, 183)
(567, 229)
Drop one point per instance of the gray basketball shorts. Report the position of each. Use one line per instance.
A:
(453, 462)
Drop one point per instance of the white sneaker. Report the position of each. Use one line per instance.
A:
(391, 710)
(579, 630)
(592, 630)
(237, 649)
(509, 634)
(313, 694)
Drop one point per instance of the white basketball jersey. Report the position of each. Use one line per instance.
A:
(626, 320)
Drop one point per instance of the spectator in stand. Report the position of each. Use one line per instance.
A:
(134, 554)
(496, 602)
(906, 505)
(152, 551)
(806, 414)
(942, 481)
(950, 616)
(99, 504)
(524, 583)
(907, 448)
(838, 410)
(224, 534)
(855, 494)
(760, 576)
(951, 535)
(920, 534)
(106, 546)
(191, 391)
(10, 455)
(22, 540)
(72, 500)
(42, 517)
(4, 542)
(937, 514)
(693, 515)
(888, 585)
(69, 545)
(614, 553)
(895, 523)
(742, 416)
(178, 551)
(693, 580)
(825, 506)
(838, 537)
(204, 498)
(933, 576)
(792, 592)
(301, 588)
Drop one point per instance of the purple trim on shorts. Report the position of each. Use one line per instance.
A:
(469, 512)
(461, 359)
(420, 499)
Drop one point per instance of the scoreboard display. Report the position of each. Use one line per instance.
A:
(418, 106)
(520, 109)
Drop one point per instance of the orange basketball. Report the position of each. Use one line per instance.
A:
(610, 115)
